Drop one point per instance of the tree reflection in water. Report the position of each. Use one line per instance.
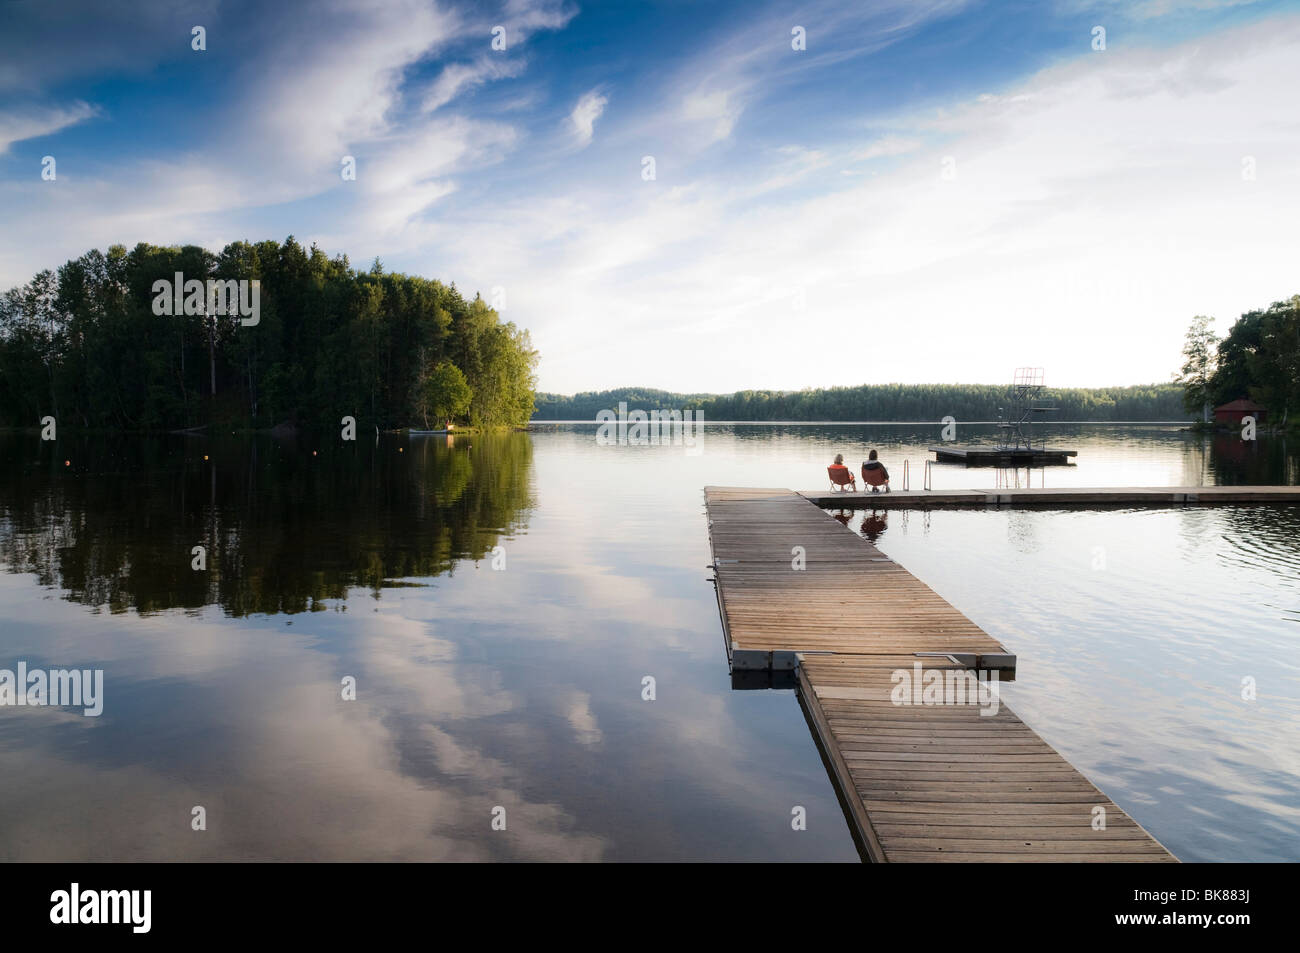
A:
(113, 521)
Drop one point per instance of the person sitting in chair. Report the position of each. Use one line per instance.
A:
(874, 474)
(841, 476)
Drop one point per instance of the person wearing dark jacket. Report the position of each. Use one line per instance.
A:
(874, 474)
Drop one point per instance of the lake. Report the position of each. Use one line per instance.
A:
(498, 605)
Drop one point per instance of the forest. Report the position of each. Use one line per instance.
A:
(877, 402)
(1259, 359)
(96, 346)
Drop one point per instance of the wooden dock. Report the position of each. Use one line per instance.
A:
(949, 779)
(1096, 497)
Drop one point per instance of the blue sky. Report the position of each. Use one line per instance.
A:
(931, 190)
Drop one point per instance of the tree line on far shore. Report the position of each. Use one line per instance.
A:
(87, 345)
(1259, 359)
(877, 402)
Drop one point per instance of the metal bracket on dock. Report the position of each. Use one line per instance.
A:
(1001, 661)
(964, 659)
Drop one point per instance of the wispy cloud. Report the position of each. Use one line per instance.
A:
(523, 18)
(31, 123)
(1153, 9)
(412, 172)
(459, 78)
(756, 62)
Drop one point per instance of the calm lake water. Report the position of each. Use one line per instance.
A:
(521, 687)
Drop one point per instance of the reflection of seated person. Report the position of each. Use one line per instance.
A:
(874, 474)
(840, 476)
(843, 516)
(873, 525)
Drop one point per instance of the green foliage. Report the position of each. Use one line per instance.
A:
(876, 402)
(444, 395)
(1198, 365)
(84, 345)
(1260, 359)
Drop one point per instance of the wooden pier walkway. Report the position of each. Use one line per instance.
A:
(1076, 497)
(960, 780)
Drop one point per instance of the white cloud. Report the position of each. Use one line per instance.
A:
(717, 110)
(590, 107)
(458, 78)
(523, 18)
(16, 126)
